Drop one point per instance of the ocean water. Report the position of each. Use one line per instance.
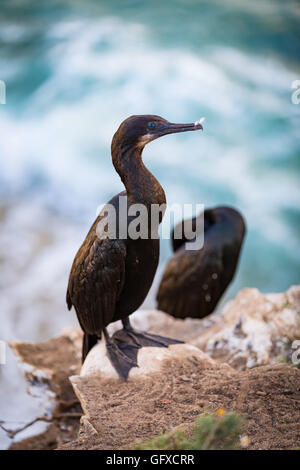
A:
(73, 71)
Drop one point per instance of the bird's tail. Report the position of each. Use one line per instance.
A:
(88, 343)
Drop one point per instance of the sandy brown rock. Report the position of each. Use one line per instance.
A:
(120, 414)
(148, 403)
(50, 363)
(47, 367)
(180, 383)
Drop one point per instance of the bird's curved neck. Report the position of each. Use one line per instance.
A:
(141, 185)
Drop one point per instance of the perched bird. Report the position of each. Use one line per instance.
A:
(195, 279)
(111, 276)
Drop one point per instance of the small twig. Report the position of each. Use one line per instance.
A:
(12, 421)
(11, 433)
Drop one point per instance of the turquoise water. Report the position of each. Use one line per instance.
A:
(75, 69)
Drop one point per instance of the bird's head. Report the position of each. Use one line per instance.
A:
(137, 131)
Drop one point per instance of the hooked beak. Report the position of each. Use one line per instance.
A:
(166, 128)
(172, 128)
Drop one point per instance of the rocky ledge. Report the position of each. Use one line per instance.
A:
(243, 359)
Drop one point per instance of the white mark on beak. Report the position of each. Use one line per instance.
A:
(201, 120)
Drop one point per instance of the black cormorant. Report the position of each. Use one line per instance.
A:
(194, 280)
(110, 278)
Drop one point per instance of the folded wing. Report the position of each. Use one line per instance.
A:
(96, 280)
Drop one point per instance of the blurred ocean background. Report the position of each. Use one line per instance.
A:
(73, 71)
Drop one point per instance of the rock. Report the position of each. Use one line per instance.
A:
(174, 385)
(150, 360)
(253, 329)
(159, 395)
(47, 367)
(155, 396)
(120, 414)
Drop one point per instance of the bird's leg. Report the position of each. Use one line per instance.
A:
(141, 339)
(126, 324)
(122, 354)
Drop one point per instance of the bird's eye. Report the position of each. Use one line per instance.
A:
(151, 125)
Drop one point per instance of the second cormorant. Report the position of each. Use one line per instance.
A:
(195, 279)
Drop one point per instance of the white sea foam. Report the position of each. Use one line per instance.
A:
(65, 144)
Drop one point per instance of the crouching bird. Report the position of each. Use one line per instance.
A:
(195, 279)
(111, 275)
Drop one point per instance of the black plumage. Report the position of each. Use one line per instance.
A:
(194, 280)
(111, 277)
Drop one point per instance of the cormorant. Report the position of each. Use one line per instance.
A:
(110, 277)
(194, 280)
